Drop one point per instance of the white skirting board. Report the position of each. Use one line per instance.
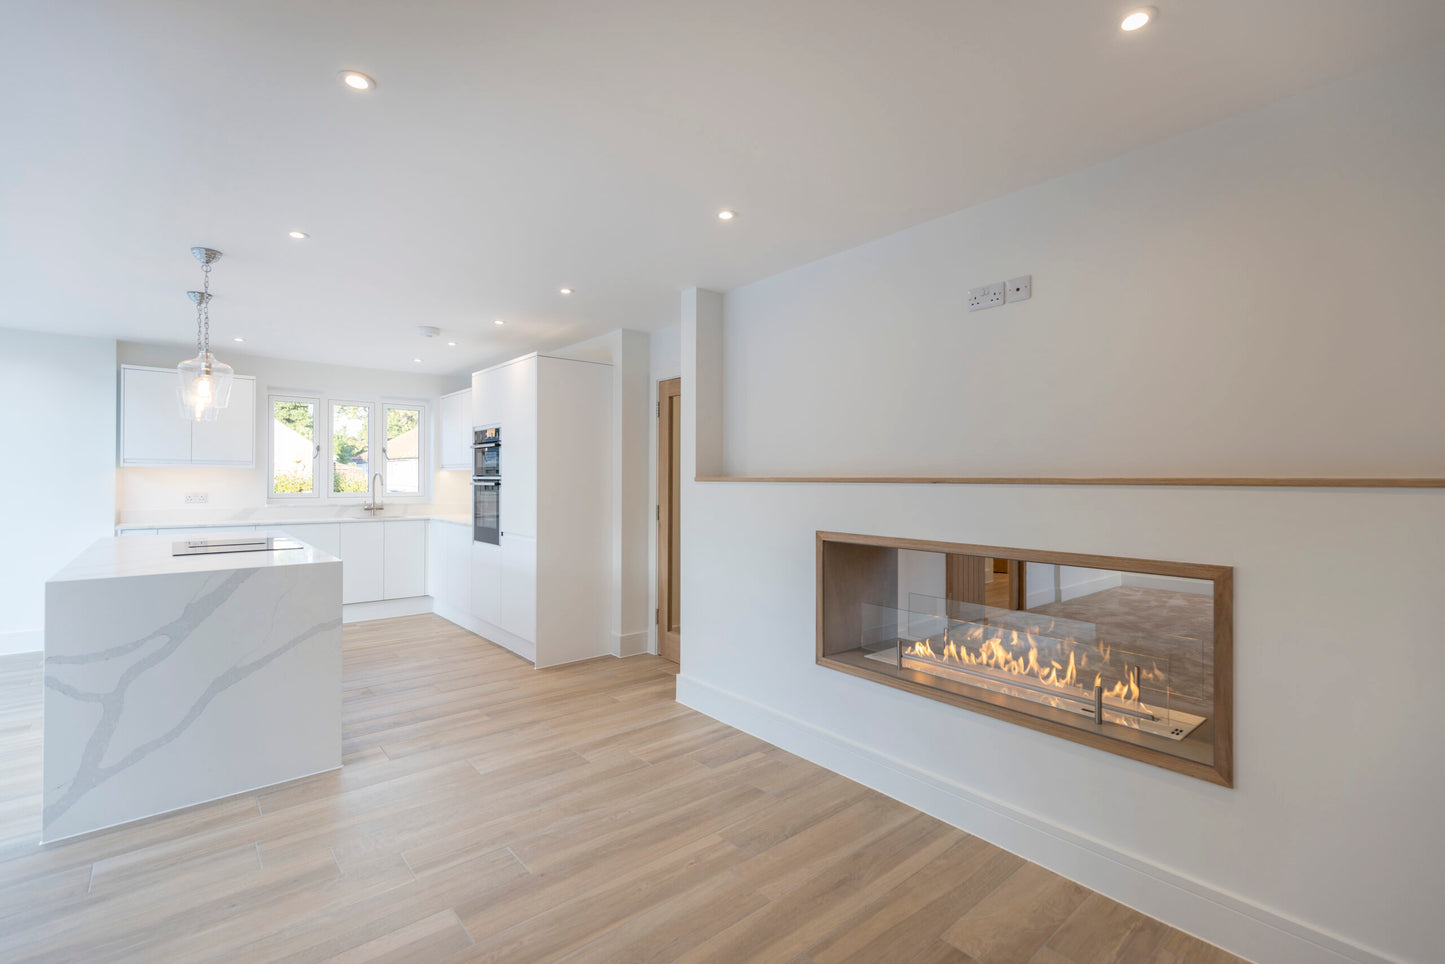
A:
(629, 644)
(1213, 915)
(30, 641)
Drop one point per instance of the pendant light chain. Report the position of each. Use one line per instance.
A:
(206, 304)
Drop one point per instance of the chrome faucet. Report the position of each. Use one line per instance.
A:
(373, 506)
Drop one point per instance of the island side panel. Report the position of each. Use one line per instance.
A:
(164, 691)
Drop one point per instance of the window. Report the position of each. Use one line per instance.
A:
(350, 448)
(401, 466)
(333, 460)
(293, 447)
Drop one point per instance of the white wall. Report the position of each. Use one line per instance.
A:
(1256, 297)
(1260, 296)
(57, 470)
(158, 494)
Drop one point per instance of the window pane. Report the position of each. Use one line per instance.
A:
(293, 447)
(403, 450)
(351, 460)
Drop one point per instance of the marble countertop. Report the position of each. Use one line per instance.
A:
(123, 557)
(456, 518)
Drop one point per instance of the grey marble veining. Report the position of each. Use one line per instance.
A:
(163, 690)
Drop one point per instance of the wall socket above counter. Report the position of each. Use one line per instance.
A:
(1000, 292)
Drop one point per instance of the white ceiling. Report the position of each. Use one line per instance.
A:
(515, 146)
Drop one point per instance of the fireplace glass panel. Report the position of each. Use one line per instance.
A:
(1118, 654)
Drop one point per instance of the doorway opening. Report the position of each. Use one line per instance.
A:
(669, 517)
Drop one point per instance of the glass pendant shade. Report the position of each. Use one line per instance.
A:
(205, 386)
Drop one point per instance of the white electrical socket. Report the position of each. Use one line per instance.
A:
(195, 498)
(1020, 289)
(985, 296)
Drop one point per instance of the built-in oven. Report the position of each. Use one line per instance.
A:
(487, 485)
(486, 511)
(487, 453)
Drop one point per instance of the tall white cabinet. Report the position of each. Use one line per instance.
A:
(546, 585)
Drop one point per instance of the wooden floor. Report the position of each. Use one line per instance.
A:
(491, 812)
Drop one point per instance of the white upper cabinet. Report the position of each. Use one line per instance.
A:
(231, 438)
(456, 430)
(154, 432)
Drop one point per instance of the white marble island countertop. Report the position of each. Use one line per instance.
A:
(173, 680)
(153, 555)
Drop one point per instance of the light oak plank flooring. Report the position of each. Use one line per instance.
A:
(491, 812)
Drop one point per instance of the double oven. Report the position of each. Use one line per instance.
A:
(487, 485)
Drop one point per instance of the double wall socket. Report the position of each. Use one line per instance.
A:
(195, 498)
(991, 296)
(985, 296)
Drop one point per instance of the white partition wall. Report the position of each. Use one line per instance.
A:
(1194, 312)
(57, 474)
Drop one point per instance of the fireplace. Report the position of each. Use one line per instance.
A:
(1129, 656)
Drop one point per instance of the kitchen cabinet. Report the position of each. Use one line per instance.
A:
(517, 612)
(449, 565)
(456, 430)
(486, 573)
(556, 503)
(231, 438)
(403, 558)
(362, 573)
(154, 432)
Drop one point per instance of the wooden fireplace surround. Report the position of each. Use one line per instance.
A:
(863, 569)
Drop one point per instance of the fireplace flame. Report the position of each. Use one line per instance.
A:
(1016, 654)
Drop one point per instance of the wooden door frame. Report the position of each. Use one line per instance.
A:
(667, 642)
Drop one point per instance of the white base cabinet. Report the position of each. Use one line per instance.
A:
(403, 558)
(486, 573)
(362, 547)
(517, 613)
(449, 565)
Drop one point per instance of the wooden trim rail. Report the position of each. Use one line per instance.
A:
(1343, 482)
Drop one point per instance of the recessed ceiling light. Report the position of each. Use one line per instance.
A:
(565, 291)
(238, 338)
(497, 322)
(298, 235)
(451, 344)
(1138, 18)
(417, 360)
(356, 80)
(726, 215)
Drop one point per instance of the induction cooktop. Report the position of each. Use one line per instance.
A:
(205, 547)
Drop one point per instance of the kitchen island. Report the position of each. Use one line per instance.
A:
(171, 680)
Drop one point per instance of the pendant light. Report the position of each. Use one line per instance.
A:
(205, 382)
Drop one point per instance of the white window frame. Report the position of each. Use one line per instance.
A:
(423, 448)
(315, 402)
(323, 470)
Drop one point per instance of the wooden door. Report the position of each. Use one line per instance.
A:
(669, 541)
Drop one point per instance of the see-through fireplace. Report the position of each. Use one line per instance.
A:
(1130, 656)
